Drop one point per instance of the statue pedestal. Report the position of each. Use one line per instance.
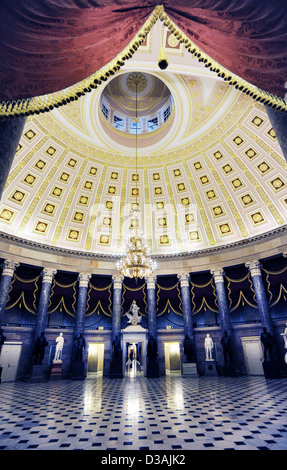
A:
(229, 371)
(189, 369)
(210, 368)
(56, 371)
(78, 370)
(271, 370)
(116, 369)
(152, 370)
(37, 373)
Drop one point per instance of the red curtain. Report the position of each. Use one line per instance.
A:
(48, 45)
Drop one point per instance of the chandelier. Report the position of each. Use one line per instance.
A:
(136, 262)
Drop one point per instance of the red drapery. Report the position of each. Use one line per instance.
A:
(48, 45)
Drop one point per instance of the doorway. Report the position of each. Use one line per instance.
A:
(172, 358)
(133, 359)
(95, 366)
(253, 355)
(9, 360)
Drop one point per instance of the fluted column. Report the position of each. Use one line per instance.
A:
(5, 283)
(151, 305)
(82, 302)
(186, 306)
(48, 275)
(262, 302)
(218, 277)
(117, 306)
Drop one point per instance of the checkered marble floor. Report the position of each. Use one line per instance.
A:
(168, 413)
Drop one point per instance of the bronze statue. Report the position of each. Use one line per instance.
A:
(152, 348)
(226, 344)
(39, 349)
(188, 349)
(79, 345)
(266, 340)
(116, 349)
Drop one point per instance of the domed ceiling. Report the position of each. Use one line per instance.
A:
(209, 176)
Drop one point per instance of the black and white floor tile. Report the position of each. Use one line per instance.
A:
(168, 413)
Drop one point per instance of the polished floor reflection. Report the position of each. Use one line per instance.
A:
(133, 413)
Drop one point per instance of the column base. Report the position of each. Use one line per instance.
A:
(37, 373)
(210, 368)
(189, 369)
(271, 370)
(56, 371)
(152, 369)
(78, 370)
(116, 370)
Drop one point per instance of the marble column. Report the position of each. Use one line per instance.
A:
(262, 302)
(186, 305)
(10, 134)
(48, 275)
(218, 277)
(5, 283)
(151, 305)
(117, 306)
(82, 302)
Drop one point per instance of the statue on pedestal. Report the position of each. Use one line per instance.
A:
(226, 343)
(188, 349)
(116, 349)
(208, 344)
(79, 346)
(39, 349)
(59, 347)
(152, 348)
(266, 340)
(134, 317)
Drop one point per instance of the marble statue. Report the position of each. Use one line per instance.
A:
(208, 344)
(59, 347)
(284, 334)
(134, 317)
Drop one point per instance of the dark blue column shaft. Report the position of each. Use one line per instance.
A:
(82, 303)
(117, 307)
(10, 134)
(261, 298)
(222, 300)
(186, 306)
(5, 284)
(278, 120)
(44, 301)
(151, 307)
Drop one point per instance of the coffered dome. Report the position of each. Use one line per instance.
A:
(210, 176)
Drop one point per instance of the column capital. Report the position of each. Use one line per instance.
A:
(254, 267)
(83, 279)
(48, 274)
(218, 274)
(150, 281)
(183, 279)
(9, 267)
(117, 281)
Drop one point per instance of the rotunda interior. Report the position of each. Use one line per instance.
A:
(210, 187)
